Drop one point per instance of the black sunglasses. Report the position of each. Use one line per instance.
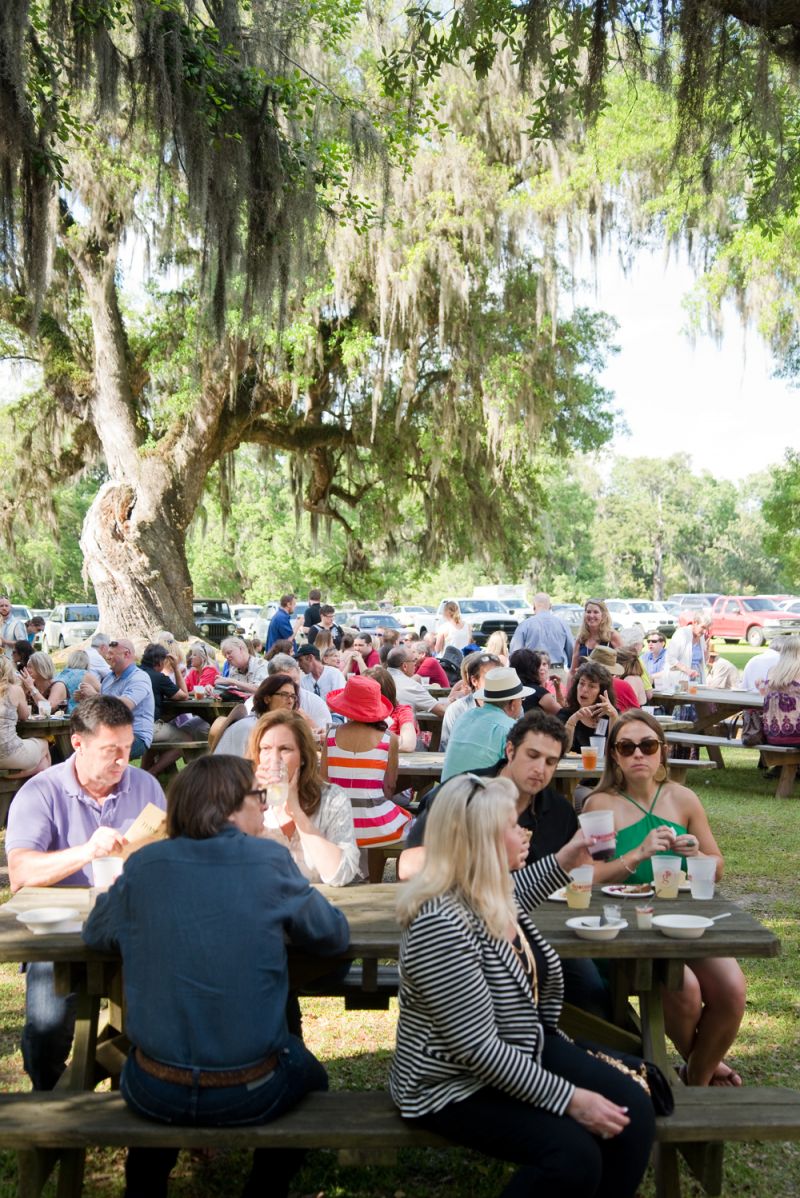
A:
(655, 640)
(477, 784)
(261, 795)
(648, 746)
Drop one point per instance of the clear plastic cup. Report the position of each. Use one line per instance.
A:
(666, 875)
(598, 743)
(579, 890)
(599, 829)
(199, 692)
(44, 707)
(589, 758)
(702, 875)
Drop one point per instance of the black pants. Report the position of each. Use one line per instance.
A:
(559, 1157)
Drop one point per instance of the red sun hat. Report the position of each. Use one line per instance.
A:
(362, 700)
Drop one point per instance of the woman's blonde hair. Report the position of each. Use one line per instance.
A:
(42, 663)
(198, 649)
(465, 852)
(8, 675)
(787, 667)
(497, 643)
(605, 627)
(323, 640)
(452, 610)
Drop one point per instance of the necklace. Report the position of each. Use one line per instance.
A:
(527, 961)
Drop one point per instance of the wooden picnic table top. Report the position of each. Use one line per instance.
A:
(211, 703)
(736, 700)
(429, 765)
(374, 929)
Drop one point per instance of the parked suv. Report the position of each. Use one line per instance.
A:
(750, 618)
(70, 624)
(213, 619)
(645, 613)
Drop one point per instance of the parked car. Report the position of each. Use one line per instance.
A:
(245, 615)
(625, 616)
(485, 617)
(70, 624)
(750, 618)
(368, 621)
(20, 612)
(213, 619)
(695, 600)
(791, 605)
(571, 614)
(416, 617)
(652, 614)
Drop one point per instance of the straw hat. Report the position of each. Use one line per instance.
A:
(604, 655)
(362, 700)
(501, 686)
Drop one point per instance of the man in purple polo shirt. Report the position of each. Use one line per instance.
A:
(58, 823)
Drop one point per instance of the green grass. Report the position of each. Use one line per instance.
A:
(760, 837)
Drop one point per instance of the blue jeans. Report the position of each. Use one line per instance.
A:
(138, 748)
(297, 1073)
(49, 1026)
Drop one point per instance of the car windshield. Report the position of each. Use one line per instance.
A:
(380, 621)
(645, 607)
(216, 608)
(758, 605)
(470, 606)
(80, 613)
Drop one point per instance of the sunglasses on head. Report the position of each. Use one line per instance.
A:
(477, 784)
(648, 746)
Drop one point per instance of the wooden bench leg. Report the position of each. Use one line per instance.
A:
(677, 773)
(786, 781)
(705, 1163)
(667, 1171)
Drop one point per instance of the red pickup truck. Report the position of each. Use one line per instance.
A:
(751, 618)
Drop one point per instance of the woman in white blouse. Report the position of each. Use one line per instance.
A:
(480, 1059)
(453, 630)
(316, 820)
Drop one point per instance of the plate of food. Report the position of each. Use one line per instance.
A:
(630, 890)
(558, 896)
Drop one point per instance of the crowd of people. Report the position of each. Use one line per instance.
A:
(320, 725)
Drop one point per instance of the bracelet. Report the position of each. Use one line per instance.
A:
(627, 867)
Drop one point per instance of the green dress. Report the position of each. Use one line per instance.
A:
(632, 836)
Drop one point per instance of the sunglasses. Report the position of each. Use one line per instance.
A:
(656, 640)
(477, 784)
(648, 746)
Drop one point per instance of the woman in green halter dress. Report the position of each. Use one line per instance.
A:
(652, 815)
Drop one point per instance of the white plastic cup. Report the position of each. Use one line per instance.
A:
(666, 875)
(579, 890)
(599, 744)
(105, 871)
(44, 707)
(199, 692)
(599, 829)
(649, 710)
(702, 875)
(582, 875)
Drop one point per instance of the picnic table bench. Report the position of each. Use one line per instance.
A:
(366, 1123)
(784, 757)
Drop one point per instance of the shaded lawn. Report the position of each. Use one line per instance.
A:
(760, 836)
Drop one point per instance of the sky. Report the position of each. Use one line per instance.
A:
(717, 402)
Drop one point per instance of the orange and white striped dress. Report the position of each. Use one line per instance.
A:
(376, 819)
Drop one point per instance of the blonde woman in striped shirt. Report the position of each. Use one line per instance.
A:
(479, 1058)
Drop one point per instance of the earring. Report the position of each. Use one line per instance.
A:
(661, 773)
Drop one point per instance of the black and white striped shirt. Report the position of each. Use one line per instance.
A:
(467, 1019)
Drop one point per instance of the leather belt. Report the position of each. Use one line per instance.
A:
(206, 1078)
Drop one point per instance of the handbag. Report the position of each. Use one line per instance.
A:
(752, 728)
(645, 1073)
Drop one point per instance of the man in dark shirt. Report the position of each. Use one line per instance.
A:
(311, 614)
(535, 745)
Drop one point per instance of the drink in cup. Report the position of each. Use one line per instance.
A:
(599, 744)
(105, 870)
(599, 829)
(278, 788)
(579, 890)
(199, 692)
(589, 758)
(44, 707)
(702, 874)
(666, 875)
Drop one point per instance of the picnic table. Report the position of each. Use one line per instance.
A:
(641, 962)
(416, 768)
(207, 708)
(712, 705)
(55, 728)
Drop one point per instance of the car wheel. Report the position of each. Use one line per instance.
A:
(61, 644)
(730, 640)
(755, 636)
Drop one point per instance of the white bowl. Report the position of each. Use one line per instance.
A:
(587, 927)
(47, 921)
(682, 927)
